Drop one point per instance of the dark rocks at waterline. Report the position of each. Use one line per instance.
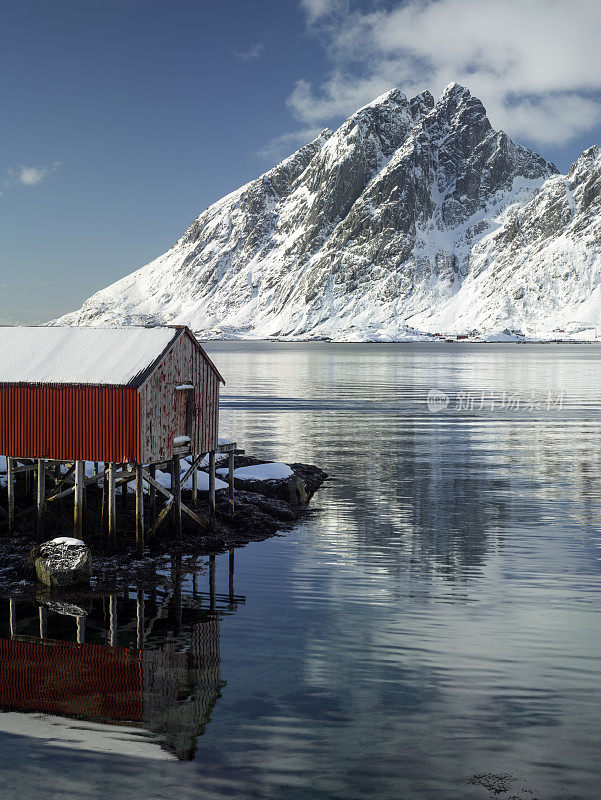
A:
(264, 507)
(257, 516)
(296, 489)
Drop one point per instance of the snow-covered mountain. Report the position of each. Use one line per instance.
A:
(412, 215)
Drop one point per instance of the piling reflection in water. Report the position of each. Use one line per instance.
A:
(143, 659)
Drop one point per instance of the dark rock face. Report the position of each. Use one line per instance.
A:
(542, 266)
(362, 228)
(290, 490)
(312, 477)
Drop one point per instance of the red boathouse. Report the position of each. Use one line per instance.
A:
(105, 394)
(134, 398)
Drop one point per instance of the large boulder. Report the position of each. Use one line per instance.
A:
(275, 479)
(62, 562)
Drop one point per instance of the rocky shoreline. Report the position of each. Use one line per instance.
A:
(263, 508)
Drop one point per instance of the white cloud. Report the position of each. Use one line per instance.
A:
(535, 64)
(282, 146)
(253, 52)
(30, 175)
(317, 9)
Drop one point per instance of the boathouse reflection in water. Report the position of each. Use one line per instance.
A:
(144, 659)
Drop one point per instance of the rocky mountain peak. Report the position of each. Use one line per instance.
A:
(384, 223)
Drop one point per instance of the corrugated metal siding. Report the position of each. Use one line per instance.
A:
(95, 423)
(160, 412)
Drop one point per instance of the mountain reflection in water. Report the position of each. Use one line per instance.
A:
(141, 659)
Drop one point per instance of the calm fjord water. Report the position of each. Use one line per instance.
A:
(437, 616)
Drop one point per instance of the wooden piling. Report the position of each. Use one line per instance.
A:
(78, 504)
(140, 619)
(124, 490)
(194, 485)
(81, 629)
(231, 576)
(10, 476)
(176, 491)
(103, 502)
(59, 503)
(152, 494)
(212, 488)
(112, 516)
(212, 583)
(230, 463)
(139, 510)
(113, 620)
(41, 498)
(12, 610)
(43, 622)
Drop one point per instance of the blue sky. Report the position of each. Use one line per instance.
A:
(124, 119)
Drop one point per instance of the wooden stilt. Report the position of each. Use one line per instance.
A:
(103, 503)
(12, 610)
(199, 520)
(162, 515)
(59, 504)
(113, 620)
(28, 485)
(112, 516)
(81, 629)
(194, 485)
(176, 603)
(140, 619)
(43, 622)
(10, 475)
(139, 510)
(212, 583)
(176, 491)
(152, 495)
(124, 491)
(212, 488)
(230, 463)
(41, 498)
(231, 575)
(78, 505)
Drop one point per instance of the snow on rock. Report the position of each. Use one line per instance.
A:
(66, 540)
(413, 217)
(164, 478)
(92, 355)
(275, 471)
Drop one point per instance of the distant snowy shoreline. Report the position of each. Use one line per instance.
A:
(420, 340)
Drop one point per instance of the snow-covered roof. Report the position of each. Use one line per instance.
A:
(114, 356)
